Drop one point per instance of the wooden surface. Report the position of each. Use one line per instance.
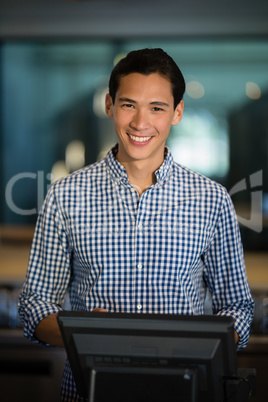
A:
(257, 269)
(15, 243)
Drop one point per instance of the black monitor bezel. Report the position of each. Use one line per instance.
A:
(216, 329)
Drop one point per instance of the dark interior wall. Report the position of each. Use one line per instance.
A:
(120, 18)
(2, 198)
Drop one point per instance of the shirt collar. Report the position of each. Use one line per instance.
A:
(163, 173)
(119, 173)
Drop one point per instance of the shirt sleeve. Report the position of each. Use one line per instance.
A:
(48, 271)
(225, 273)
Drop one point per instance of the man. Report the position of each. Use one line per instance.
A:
(136, 232)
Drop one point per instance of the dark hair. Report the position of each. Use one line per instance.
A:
(148, 61)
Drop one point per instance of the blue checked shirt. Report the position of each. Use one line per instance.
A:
(157, 253)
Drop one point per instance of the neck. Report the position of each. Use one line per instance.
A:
(141, 173)
(141, 178)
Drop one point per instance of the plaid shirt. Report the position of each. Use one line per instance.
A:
(151, 254)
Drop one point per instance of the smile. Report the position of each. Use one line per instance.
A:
(139, 139)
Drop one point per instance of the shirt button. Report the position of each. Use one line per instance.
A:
(140, 225)
(139, 306)
(139, 266)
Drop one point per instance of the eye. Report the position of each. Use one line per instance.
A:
(127, 105)
(157, 109)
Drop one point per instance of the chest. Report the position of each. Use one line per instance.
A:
(117, 227)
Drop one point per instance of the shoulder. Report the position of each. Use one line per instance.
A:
(208, 197)
(80, 183)
(85, 176)
(190, 178)
(206, 193)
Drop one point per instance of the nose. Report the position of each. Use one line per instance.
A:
(140, 120)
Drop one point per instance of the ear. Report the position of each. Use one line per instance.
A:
(109, 106)
(178, 112)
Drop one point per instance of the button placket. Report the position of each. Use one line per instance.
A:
(141, 219)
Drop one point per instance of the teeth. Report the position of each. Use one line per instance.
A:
(139, 139)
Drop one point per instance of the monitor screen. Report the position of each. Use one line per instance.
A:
(147, 357)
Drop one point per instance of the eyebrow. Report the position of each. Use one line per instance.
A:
(127, 100)
(154, 103)
(159, 103)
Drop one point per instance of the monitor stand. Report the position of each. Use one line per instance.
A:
(242, 387)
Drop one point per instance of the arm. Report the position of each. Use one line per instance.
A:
(225, 273)
(48, 331)
(48, 274)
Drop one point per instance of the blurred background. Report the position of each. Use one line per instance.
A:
(55, 61)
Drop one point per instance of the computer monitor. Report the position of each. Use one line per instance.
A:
(129, 357)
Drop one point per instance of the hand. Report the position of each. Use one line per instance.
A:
(237, 337)
(48, 331)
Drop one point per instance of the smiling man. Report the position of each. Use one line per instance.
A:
(143, 112)
(136, 231)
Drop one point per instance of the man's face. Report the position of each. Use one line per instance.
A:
(143, 113)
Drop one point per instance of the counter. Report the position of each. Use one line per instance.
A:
(29, 372)
(256, 356)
